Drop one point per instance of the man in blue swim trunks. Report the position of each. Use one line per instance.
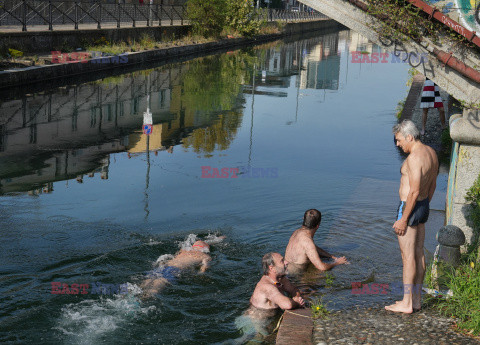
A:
(157, 279)
(417, 185)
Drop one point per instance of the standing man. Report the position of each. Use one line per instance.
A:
(301, 250)
(417, 185)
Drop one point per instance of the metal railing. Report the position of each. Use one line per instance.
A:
(271, 15)
(25, 13)
(53, 13)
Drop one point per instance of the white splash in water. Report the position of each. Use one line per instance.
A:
(188, 243)
(90, 320)
(214, 239)
(162, 259)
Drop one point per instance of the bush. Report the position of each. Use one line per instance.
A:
(207, 17)
(210, 17)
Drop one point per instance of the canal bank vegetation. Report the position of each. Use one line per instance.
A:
(400, 19)
(463, 281)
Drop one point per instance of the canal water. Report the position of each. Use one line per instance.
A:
(87, 198)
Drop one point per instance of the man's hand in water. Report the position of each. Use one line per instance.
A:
(341, 261)
(299, 299)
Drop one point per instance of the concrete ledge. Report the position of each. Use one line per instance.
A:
(465, 129)
(296, 328)
(37, 74)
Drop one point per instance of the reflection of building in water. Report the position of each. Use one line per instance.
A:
(65, 134)
(69, 132)
(321, 65)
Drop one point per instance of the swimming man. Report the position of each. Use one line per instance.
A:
(161, 276)
(417, 185)
(301, 250)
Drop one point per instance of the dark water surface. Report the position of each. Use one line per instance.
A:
(86, 197)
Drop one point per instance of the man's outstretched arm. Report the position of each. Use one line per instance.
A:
(312, 254)
(324, 253)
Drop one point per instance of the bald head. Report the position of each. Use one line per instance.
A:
(201, 246)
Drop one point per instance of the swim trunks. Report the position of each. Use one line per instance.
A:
(169, 273)
(419, 213)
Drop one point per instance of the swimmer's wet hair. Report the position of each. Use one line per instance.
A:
(312, 218)
(267, 261)
(406, 127)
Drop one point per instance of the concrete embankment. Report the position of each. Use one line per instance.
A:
(37, 74)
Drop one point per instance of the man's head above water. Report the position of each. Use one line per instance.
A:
(273, 263)
(201, 246)
(312, 219)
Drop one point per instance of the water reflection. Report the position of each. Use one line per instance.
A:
(69, 132)
(296, 106)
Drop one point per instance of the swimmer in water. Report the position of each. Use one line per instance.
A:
(167, 273)
(274, 290)
(301, 250)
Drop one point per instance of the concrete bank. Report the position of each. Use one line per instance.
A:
(37, 74)
(45, 41)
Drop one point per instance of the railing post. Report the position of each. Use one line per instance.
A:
(76, 15)
(134, 13)
(159, 17)
(50, 18)
(171, 16)
(24, 16)
(99, 14)
(181, 15)
(119, 14)
(148, 16)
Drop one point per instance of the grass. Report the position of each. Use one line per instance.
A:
(319, 311)
(464, 281)
(329, 279)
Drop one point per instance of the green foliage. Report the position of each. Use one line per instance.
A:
(400, 19)
(446, 141)
(400, 106)
(412, 72)
(464, 305)
(207, 17)
(473, 196)
(329, 279)
(240, 16)
(211, 17)
(211, 86)
(319, 311)
(15, 53)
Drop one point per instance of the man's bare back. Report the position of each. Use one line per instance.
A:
(166, 273)
(301, 249)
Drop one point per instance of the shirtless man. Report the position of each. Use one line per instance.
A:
(417, 185)
(272, 289)
(301, 250)
(167, 273)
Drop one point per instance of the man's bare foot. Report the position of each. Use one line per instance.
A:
(399, 308)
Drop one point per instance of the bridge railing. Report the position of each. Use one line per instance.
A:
(76, 13)
(271, 15)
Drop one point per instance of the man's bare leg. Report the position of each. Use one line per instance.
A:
(424, 120)
(441, 114)
(407, 248)
(420, 267)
